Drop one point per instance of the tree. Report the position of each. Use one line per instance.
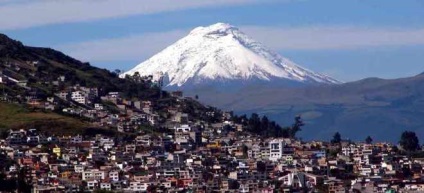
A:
(368, 140)
(255, 123)
(4, 134)
(196, 97)
(261, 166)
(264, 123)
(395, 149)
(406, 171)
(409, 141)
(23, 186)
(297, 126)
(337, 138)
(285, 132)
(136, 77)
(233, 184)
(7, 185)
(117, 71)
(152, 188)
(245, 150)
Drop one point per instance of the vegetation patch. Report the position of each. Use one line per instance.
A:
(14, 116)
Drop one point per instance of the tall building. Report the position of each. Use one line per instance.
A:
(276, 149)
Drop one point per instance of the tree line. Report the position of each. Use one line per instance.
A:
(409, 141)
(267, 128)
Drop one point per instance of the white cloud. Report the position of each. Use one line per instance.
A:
(136, 47)
(333, 37)
(140, 47)
(27, 14)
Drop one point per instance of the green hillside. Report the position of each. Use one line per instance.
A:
(13, 116)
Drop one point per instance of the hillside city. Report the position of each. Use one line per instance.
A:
(175, 144)
(211, 96)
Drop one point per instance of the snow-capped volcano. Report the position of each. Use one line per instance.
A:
(222, 53)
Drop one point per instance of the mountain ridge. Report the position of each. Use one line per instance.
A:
(382, 108)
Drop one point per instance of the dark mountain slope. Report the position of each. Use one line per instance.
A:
(46, 65)
(377, 107)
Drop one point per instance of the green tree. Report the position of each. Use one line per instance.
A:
(245, 150)
(406, 171)
(297, 126)
(337, 138)
(117, 71)
(264, 123)
(261, 166)
(7, 185)
(152, 188)
(136, 77)
(233, 184)
(395, 149)
(22, 184)
(4, 134)
(368, 140)
(255, 123)
(409, 141)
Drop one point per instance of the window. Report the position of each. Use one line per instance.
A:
(275, 146)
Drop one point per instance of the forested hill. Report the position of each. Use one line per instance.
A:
(37, 65)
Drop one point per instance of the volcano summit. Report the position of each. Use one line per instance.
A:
(222, 54)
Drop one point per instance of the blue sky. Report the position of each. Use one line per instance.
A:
(349, 39)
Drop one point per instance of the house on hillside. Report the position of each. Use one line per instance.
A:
(180, 118)
(22, 83)
(79, 97)
(177, 94)
(65, 95)
(4, 79)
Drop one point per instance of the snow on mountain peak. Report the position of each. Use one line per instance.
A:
(221, 52)
(215, 28)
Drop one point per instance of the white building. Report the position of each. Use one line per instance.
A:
(365, 170)
(276, 149)
(114, 176)
(92, 184)
(183, 128)
(33, 139)
(350, 150)
(301, 180)
(79, 168)
(98, 106)
(76, 139)
(93, 175)
(79, 97)
(106, 186)
(244, 188)
(138, 186)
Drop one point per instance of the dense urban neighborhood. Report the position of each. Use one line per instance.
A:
(202, 158)
(147, 146)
